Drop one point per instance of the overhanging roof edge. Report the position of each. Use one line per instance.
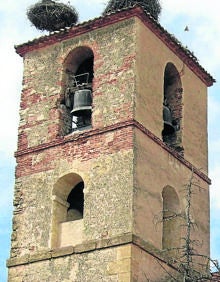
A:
(169, 40)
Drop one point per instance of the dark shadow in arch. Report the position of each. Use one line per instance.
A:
(76, 202)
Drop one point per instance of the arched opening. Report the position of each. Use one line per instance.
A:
(77, 103)
(75, 200)
(171, 220)
(67, 211)
(172, 108)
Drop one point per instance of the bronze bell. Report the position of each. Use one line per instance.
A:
(168, 125)
(82, 102)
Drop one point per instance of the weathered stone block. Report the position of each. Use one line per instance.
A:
(62, 252)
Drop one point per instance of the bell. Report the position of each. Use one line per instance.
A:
(168, 125)
(82, 102)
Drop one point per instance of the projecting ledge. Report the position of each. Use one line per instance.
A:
(70, 250)
(127, 238)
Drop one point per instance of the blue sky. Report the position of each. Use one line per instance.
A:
(203, 38)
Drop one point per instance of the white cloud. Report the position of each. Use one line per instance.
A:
(204, 25)
(16, 29)
(203, 20)
(192, 8)
(9, 99)
(7, 183)
(215, 188)
(214, 108)
(214, 130)
(215, 207)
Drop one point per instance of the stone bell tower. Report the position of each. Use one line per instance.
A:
(113, 122)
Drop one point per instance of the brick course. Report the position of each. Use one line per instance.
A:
(121, 159)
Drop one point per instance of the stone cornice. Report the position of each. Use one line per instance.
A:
(99, 244)
(79, 137)
(169, 40)
(70, 250)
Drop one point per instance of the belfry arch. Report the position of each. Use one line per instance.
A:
(78, 76)
(172, 107)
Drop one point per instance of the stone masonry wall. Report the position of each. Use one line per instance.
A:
(112, 158)
(104, 162)
(102, 155)
(151, 61)
(108, 265)
(151, 176)
(44, 80)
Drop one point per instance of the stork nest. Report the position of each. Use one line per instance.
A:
(150, 6)
(50, 15)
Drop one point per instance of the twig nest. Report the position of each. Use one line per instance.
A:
(50, 15)
(151, 6)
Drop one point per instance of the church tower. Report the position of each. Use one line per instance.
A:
(113, 125)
